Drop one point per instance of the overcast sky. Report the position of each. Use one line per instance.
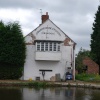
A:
(74, 17)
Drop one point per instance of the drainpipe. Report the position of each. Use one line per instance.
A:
(74, 63)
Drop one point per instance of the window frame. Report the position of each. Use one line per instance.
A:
(48, 46)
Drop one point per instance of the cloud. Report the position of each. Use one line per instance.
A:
(74, 17)
(28, 21)
(26, 4)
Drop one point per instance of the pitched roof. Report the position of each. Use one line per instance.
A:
(55, 25)
(89, 62)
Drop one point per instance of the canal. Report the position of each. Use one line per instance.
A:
(62, 93)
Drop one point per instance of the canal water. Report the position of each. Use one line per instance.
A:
(20, 93)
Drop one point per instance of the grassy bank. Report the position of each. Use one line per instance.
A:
(88, 77)
(28, 83)
(42, 84)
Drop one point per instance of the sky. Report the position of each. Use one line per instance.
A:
(73, 17)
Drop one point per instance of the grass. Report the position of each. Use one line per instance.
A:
(22, 83)
(88, 77)
(37, 84)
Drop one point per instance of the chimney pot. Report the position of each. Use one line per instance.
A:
(45, 17)
(46, 13)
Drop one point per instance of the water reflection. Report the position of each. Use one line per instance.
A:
(17, 93)
(11, 94)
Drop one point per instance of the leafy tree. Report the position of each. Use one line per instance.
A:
(95, 38)
(79, 59)
(12, 51)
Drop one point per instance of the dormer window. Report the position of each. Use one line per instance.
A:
(47, 46)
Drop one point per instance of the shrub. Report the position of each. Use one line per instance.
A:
(12, 51)
(85, 77)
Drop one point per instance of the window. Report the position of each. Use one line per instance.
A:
(54, 49)
(50, 46)
(47, 46)
(58, 47)
(42, 46)
(38, 46)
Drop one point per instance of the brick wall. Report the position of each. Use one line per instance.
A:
(92, 67)
(66, 42)
(45, 17)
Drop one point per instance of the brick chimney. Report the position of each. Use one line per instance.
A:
(45, 17)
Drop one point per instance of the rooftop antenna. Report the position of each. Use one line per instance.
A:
(41, 12)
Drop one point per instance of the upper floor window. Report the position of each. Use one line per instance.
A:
(38, 46)
(42, 46)
(50, 46)
(54, 47)
(47, 46)
(58, 47)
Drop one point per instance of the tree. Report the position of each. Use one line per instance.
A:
(12, 51)
(95, 38)
(79, 59)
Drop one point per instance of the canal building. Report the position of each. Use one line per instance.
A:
(50, 53)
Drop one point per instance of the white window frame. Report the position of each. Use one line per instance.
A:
(57, 47)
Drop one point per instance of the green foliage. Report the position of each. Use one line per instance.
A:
(79, 59)
(12, 49)
(10, 72)
(95, 38)
(87, 77)
(37, 84)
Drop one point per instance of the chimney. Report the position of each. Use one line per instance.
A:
(45, 17)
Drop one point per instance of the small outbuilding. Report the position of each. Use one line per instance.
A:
(90, 67)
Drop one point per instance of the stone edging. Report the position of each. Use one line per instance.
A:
(77, 84)
(52, 84)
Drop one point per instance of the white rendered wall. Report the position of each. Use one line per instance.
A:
(31, 68)
(51, 56)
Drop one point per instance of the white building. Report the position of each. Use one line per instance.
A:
(49, 52)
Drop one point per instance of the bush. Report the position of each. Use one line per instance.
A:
(10, 72)
(87, 77)
(12, 51)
